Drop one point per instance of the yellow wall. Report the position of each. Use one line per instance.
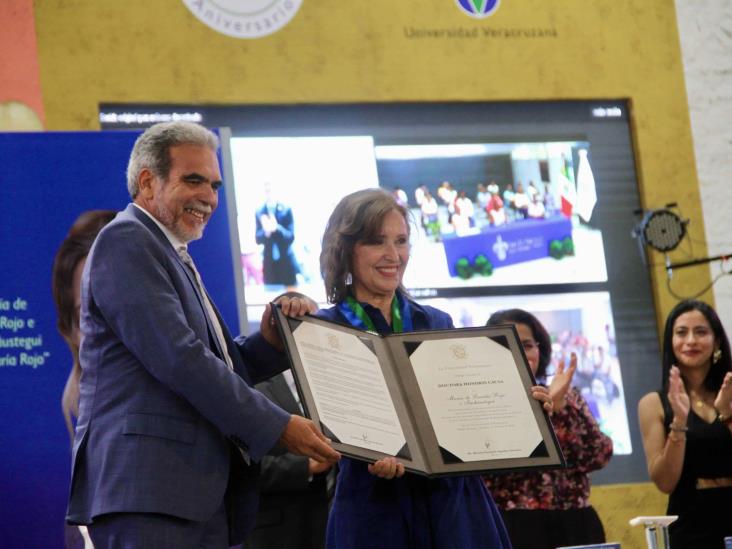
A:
(149, 51)
(618, 503)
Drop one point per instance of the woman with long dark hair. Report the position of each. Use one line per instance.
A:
(68, 265)
(66, 285)
(687, 426)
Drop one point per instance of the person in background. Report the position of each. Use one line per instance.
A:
(275, 229)
(495, 209)
(549, 509)
(66, 286)
(401, 196)
(419, 193)
(687, 427)
(294, 491)
(521, 202)
(533, 192)
(549, 201)
(68, 265)
(430, 218)
(464, 217)
(447, 194)
(536, 208)
(482, 196)
(508, 200)
(365, 253)
(169, 424)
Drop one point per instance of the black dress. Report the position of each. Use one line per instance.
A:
(704, 514)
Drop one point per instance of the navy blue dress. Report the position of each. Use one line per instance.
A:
(411, 512)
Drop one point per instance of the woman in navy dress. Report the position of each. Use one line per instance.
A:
(365, 252)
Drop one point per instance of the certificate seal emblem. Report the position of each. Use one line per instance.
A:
(244, 18)
(333, 342)
(459, 351)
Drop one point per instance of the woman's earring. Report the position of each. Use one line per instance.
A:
(716, 356)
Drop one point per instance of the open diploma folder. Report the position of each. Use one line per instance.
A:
(444, 402)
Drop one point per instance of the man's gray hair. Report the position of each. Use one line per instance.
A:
(152, 149)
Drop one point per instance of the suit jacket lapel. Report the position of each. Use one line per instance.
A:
(155, 230)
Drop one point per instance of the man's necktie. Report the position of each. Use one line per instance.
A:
(218, 332)
(188, 260)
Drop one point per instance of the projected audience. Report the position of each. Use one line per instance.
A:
(447, 195)
(687, 426)
(482, 196)
(549, 509)
(536, 209)
(521, 202)
(401, 196)
(366, 242)
(533, 192)
(275, 229)
(457, 213)
(549, 201)
(508, 200)
(464, 217)
(419, 193)
(495, 208)
(66, 286)
(430, 219)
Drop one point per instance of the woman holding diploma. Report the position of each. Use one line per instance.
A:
(365, 253)
(687, 426)
(548, 509)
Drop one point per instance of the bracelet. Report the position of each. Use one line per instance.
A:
(676, 429)
(676, 438)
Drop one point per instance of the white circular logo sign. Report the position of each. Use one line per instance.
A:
(244, 18)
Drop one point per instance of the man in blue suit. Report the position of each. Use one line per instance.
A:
(275, 228)
(169, 428)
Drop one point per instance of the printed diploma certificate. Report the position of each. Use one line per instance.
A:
(443, 402)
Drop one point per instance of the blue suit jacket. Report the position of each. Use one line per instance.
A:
(159, 408)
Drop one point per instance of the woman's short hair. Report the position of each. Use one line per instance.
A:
(716, 373)
(74, 249)
(358, 216)
(152, 149)
(538, 332)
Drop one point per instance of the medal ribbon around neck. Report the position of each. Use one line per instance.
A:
(401, 319)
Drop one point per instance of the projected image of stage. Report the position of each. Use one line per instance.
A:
(500, 213)
(484, 214)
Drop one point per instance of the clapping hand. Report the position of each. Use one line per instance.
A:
(677, 396)
(723, 402)
(562, 381)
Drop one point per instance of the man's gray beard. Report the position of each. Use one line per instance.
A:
(165, 216)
